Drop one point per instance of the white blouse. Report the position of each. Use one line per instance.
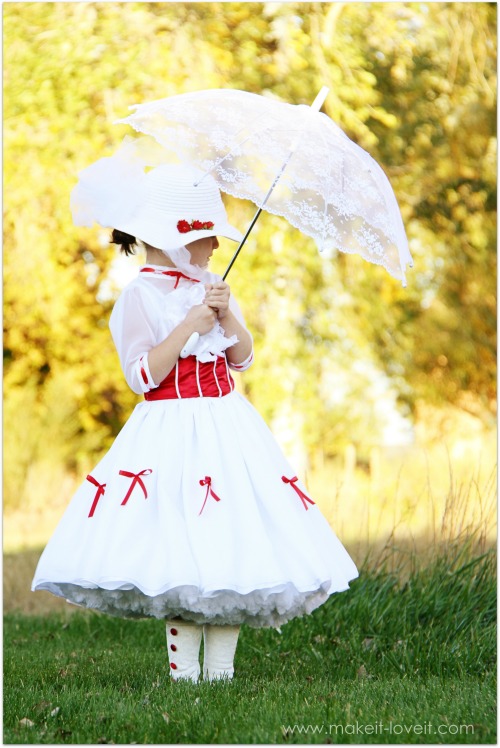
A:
(148, 310)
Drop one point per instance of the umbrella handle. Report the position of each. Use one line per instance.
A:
(315, 107)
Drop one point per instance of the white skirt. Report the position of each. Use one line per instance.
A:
(193, 519)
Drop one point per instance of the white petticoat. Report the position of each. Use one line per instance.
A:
(239, 548)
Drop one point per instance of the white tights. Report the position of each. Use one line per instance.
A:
(219, 647)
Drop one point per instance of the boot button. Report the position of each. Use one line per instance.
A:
(173, 632)
(173, 648)
(173, 666)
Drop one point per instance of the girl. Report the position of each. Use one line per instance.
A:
(194, 515)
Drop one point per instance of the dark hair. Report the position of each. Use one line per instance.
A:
(126, 241)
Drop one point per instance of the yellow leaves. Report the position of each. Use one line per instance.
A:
(406, 83)
(399, 72)
(386, 118)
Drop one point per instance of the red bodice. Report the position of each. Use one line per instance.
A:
(191, 378)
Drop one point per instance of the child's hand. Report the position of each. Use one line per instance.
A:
(201, 318)
(217, 297)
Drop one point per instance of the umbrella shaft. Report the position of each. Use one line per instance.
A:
(254, 219)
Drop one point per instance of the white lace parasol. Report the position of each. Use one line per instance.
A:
(331, 189)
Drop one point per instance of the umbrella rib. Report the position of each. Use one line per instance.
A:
(259, 211)
(246, 126)
(238, 145)
(223, 158)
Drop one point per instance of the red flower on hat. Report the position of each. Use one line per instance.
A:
(183, 227)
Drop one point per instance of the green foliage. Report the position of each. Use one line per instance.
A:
(415, 84)
(441, 85)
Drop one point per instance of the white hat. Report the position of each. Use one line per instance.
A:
(170, 206)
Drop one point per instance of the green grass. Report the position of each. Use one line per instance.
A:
(407, 658)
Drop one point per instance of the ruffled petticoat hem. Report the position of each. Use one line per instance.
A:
(270, 607)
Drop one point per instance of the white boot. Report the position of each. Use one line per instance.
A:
(219, 648)
(183, 642)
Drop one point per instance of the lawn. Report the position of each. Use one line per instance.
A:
(390, 661)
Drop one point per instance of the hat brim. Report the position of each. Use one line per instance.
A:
(172, 239)
(227, 231)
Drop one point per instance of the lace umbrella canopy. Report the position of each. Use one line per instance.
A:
(331, 189)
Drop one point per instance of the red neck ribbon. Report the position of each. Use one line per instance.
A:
(172, 273)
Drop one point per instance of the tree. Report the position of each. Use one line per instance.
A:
(412, 83)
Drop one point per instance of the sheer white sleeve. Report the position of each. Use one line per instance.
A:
(235, 308)
(133, 330)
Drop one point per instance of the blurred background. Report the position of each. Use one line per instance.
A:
(384, 398)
